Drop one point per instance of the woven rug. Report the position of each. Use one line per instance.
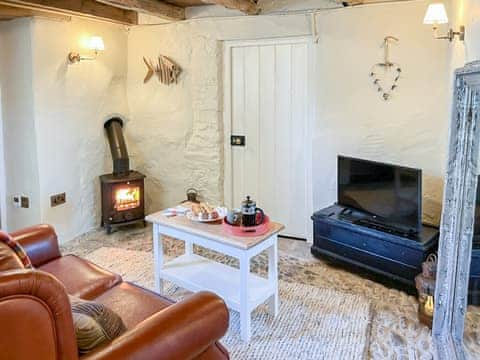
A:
(313, 323)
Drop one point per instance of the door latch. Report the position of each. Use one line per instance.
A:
(237, 140)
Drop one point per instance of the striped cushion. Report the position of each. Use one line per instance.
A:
(94, 324)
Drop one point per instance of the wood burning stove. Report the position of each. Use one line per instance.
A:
(123, 190)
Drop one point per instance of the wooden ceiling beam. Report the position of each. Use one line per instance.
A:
(364, 2)
(10, 12)
(246, 6)
(81, 8)
(152, 7)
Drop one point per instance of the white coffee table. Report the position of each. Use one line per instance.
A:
(241, 290)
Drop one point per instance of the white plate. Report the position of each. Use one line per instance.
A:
(192, 217)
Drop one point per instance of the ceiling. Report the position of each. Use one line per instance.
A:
(186, 3)
(126, 11)
(117, 11)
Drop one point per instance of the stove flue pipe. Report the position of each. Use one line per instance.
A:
(118, 148)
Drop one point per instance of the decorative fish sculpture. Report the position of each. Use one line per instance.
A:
(166, 70)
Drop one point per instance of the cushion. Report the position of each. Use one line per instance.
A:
(80, 277)
(94, 324)
(12, 255)
(133, 303)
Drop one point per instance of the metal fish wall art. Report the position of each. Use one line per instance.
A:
(166, 70)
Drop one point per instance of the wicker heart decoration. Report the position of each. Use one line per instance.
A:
(385, 78)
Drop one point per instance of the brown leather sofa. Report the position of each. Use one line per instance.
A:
(36, 321)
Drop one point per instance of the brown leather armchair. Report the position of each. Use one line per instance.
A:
(36, 321)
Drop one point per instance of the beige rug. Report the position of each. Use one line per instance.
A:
(313, 323)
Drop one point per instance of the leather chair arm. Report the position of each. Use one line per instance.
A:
(40, 242)
(181, 331)
(35, 317)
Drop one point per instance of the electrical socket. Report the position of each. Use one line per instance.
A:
(21, 201)
(24, 202)
(58, 199)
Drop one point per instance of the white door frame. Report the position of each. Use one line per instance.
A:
(227, 114)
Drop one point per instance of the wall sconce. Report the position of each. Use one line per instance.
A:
(95, 43)
(436, 15)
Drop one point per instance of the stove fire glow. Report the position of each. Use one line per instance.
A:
(127, 198)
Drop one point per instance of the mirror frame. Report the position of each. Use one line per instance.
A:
(458, 215)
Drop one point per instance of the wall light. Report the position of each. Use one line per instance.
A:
(437, 15)
(94, 43)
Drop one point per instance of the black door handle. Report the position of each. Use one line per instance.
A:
(237, 140)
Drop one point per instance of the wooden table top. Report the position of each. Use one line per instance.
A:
(213, 231)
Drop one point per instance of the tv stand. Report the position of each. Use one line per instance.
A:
(385, 228)
(351, 237)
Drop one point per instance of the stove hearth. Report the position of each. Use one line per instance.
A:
(123, 190)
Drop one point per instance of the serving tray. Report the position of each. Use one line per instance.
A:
(249, 231)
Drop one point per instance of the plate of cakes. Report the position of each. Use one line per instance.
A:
(203, 212)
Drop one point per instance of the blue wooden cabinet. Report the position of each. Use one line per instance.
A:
(399, 257)
(474, 283)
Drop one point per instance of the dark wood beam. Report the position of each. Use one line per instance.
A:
(364, 2)
(82, 8)
(152, 7)
(10, 12)
(246, 6)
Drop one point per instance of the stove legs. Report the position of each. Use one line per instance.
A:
(109, 227)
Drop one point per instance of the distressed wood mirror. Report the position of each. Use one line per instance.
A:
(456, 231)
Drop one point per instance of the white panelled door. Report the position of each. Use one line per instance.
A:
(267, 101)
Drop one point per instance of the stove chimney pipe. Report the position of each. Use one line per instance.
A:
(118, 148)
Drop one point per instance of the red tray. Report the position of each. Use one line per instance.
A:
(250, 231)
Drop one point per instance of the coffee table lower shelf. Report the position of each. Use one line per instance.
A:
(196, 273)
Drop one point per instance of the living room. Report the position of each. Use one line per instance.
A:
(214, 101)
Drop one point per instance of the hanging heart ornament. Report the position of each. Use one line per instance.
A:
(385, 78)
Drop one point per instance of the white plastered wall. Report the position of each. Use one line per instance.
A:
(3, 179)
(466, 13)
(177, 131)
(71, 104)
(20, 143)
(53, 116)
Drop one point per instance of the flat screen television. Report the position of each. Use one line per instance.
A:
(388, 194)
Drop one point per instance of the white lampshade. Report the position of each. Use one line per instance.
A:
(96, 43)
(436, 14)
